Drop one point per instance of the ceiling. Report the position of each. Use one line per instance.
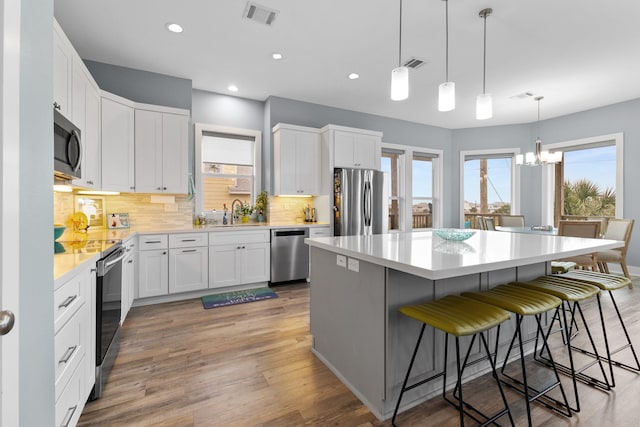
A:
(578, 54)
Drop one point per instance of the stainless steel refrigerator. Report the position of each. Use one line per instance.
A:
(357, 202)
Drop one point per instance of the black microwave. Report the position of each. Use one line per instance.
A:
(67, 148)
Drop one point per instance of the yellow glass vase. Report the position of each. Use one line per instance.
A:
(245, 219)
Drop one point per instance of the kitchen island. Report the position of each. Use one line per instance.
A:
(359, 282)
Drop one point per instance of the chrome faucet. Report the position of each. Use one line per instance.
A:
(233, 210)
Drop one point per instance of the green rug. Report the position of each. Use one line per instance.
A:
(237, 297)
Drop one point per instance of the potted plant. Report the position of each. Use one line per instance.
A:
(244, 210)
(261, 205)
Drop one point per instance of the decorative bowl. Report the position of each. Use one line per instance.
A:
(58, 229)
(454, 234)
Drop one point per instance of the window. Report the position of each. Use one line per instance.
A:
(489, 185)
(422, 191)
(588, 181)
(415, 177)
(228, 166)
(391, 162)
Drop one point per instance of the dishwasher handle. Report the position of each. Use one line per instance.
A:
(289, 233)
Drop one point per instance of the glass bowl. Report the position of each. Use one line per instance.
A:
(454, 234)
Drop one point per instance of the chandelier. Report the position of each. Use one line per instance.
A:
(539, 157)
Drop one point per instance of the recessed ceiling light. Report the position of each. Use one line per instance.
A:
(174, 28)
(277, 55)
(353, 76)
(233, 88)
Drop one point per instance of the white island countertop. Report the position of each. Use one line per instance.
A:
(423, 254)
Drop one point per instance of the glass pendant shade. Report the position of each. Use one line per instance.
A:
(484, 106)
(399, 84)
(447, 96)
(519, 159)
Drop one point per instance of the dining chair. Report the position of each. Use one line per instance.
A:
(587, 229)
(618, 229)
(481, 224)
(512, 220)
(488, 222)
(604, 222)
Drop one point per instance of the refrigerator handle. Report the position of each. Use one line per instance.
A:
(367, 204)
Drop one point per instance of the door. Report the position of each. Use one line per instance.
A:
(9, 196)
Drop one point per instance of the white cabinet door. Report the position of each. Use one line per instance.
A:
(153, 269)
(256, 265)
(62, 73)
(225, 265)
(148, 149)
(175, 153)
(117, 146)
(86, 115)
(296, 161)
(188, 269)
(354, 150)
(161, 146)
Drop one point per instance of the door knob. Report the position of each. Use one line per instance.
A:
(7, 320)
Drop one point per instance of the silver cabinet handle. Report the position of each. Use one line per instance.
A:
(68, 416)
(67, 354)
(188, 240)
(189, 250)
(68, 301)
(7, 320)
(153, 241)
(130, 261)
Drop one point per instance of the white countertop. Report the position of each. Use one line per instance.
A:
(426, 255)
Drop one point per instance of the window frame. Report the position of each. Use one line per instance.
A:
(548, 176)
(405, 189)
(515, 176)
(201, 128)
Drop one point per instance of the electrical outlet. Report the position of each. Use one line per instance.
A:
(341, 261)
(354, 265)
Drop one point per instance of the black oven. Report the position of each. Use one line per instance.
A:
(108, 312)
(67, 148)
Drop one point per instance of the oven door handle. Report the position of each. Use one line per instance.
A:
(112, 262)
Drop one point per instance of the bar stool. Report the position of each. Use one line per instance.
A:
(608, 283)
(457, 316)
(571, 294)
(525, 302)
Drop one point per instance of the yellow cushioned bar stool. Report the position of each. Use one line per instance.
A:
(608, 282)
(558, 267)
(571, 294)
(457, 316)
(526, 302)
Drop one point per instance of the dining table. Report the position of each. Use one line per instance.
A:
(540, 230)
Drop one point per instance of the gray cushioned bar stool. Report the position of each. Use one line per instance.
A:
(457, 316)
(526, 302)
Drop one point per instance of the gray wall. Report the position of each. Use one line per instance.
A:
(35, 315)
(142, 86)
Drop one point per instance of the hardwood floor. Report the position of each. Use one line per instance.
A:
(251, 365)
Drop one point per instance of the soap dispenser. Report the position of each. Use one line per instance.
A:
(224, 216)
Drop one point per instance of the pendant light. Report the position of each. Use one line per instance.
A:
(447, 90)
(538, 157)
(484, 103)
(400, 75)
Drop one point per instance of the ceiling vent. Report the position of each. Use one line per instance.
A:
(523, 95)
(260, 14)
(414, 63)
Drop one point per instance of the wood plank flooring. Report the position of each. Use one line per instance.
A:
(251, 365)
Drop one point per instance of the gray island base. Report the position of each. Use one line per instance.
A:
(359, 282)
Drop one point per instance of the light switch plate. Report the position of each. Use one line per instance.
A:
(341, 261)
(354, 265)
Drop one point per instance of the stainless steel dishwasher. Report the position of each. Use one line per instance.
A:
(289, 254)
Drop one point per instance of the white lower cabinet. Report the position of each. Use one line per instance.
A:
(74, 344)
(153, 265)
(188, 262)
(238, 258)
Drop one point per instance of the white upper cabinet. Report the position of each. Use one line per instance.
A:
(117, 144)
(161, 151)
(86, 115)
(62, 71)
(356, 150)
(296, 154)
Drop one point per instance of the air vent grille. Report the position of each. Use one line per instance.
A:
(258, 13)
(414, 63)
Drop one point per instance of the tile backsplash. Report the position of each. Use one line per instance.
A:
(143, 214)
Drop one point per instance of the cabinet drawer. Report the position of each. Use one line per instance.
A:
(319, 232)
(69, 349)
(153, 241)
(67, 299)
(71, 402)
(237, 237)
(188, 240)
